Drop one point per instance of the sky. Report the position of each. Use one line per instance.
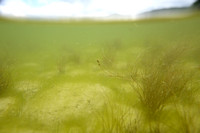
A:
(84, 8)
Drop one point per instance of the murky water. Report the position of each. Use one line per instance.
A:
(137, 76)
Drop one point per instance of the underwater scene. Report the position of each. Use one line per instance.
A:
(139, 76)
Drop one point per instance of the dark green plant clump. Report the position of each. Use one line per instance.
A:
(161, 79)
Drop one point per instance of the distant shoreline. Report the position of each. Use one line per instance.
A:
(162, 14)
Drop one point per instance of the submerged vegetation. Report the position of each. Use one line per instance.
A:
(118, 77)
(161, 80)
(5, 76)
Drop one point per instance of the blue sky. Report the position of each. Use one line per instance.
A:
(84, 8)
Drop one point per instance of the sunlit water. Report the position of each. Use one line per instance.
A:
(59, 77)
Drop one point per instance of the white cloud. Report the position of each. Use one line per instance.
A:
(19, 8)
(43, 1)
(15, 8)
(85, 8)
(60, 9)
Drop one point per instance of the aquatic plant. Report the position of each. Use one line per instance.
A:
(114, 118)
(5, 77)
(108, 57)
(67, 58)
(61, 64)
(161, 77)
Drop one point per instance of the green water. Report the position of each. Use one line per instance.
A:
(79, 77)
